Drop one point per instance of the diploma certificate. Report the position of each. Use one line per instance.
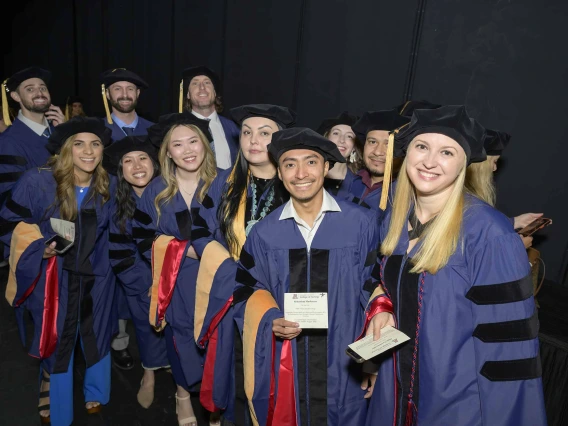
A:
(307, 309)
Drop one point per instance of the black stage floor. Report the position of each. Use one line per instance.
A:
(19, 374)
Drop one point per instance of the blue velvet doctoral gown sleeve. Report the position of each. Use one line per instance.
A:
(135, 276)
(131, 268)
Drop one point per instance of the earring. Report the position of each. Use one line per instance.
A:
(353, 156)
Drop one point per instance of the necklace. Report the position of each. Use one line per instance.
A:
(82, 188)
(188, 193)
(254, 207)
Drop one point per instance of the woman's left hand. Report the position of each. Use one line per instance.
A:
(378, 322)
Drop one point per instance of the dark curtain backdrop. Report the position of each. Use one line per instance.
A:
(504, 60)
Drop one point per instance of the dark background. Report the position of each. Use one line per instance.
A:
(505, 59)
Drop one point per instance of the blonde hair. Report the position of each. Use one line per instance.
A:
(207, 171)
(479, 181)
(63, 173)
(440, 239)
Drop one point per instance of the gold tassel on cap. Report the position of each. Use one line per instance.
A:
(404, 107)
(181, 96)
(109, 119)
(388, 172)
(5, 110)
(67, 110)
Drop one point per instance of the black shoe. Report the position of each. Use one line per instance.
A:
(122, 359)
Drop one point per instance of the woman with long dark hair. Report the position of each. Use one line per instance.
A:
(134, 161)
(237, 200)
(459, 282)
(338, 130)
(68, 289)
(162, 229)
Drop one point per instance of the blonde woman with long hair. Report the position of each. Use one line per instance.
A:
(67, 288)
(480, 182)
(459, 281)
(162, 229)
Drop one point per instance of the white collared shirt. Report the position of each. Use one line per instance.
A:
(36, 127)
(222, 151)
(289, 212)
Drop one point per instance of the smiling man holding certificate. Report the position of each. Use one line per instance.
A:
(307, 272)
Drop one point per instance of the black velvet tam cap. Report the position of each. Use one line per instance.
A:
(157, 132)
(407, 108)
(450, 120)
(304, 138)
(496, 141)
(122, 74)
(189, 73)
(32, 72)
(64, 131)
(72, 99)
(114, 153)
(343, 118)
(285, 117)
(387, 120)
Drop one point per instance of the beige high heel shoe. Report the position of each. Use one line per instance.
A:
(145, 396)
(192, 421)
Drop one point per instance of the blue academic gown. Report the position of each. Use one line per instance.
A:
(175, 221)
(215, 329)
(20, 149)
(135, 276)
(232, 134)
(327, 383)
(85, 281)
(340, 189)
(357, 191)
(141, 129)
(478, 352)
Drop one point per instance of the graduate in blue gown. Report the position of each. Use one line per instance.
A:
(202, 90)
(237, 200)
(133, 160)
(373, 130)
(459, 281)
(480, 182)
(22, 144)
(69, 295)
(312, 244)
(121, 89)
(162, 228)
(338, 130)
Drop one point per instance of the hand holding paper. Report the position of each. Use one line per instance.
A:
(367, 348)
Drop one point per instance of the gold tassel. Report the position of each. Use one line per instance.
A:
(239, 220)
(388, 172)
(67, 110)
(181, 96)
(109, 119)
(5, 110)
(404, 107)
